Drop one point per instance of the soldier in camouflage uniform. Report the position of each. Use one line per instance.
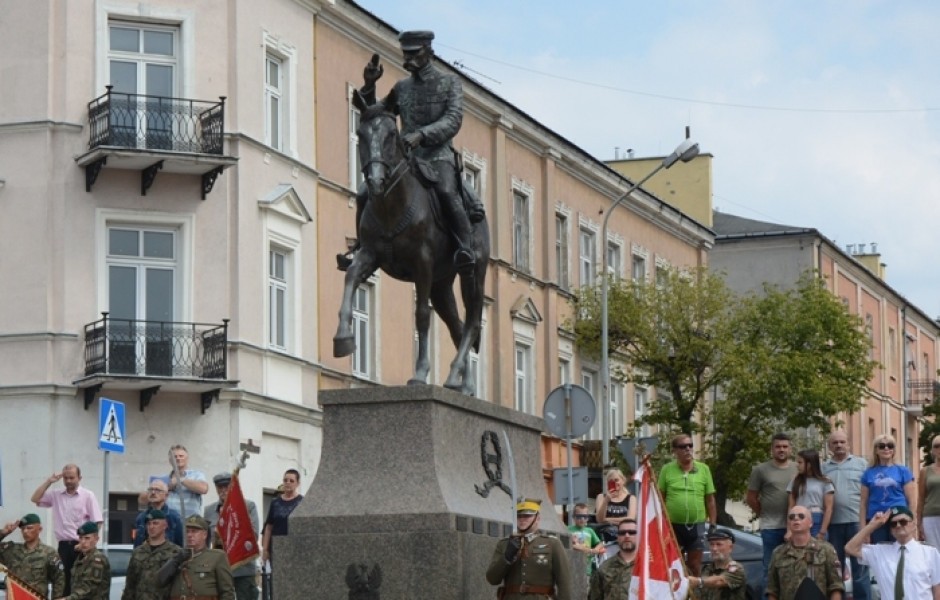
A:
(147, 560)
(198, 572)
(91, 573)
(35, 564)
(611, 581)
(723, 578)
(530, 565)
(803, 557)
(430, 104)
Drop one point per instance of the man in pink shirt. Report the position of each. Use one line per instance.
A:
(71, 507)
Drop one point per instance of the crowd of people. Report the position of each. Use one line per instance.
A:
(816, 516)
(177, 547)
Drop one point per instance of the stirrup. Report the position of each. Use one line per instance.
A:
(464, 260)
(344, 261)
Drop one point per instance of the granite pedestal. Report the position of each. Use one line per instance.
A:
(396, 512)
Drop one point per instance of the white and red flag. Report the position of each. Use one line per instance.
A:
(17, 590)
(658, 573)
(239, 539)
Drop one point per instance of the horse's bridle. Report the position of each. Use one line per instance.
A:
(396, 173)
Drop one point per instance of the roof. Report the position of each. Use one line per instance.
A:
(725, 226)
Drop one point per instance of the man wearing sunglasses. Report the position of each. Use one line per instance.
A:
(611, 581)
(689, 493)
(905, 569)
(803, 567)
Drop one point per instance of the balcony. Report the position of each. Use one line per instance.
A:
(154, 133)
(921, 392)
(150, 356)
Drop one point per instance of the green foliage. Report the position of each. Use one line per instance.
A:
(930, 425)
(783, 360)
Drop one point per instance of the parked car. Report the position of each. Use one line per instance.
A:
(118, 555)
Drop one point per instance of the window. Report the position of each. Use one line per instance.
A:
(355, 165)
(892, 351)
(561, 250)
(363, 359)
(142, 267)
(589, 382)
(662, 276)
(274, 101)
(617, 418)
(639, 268)
(564, 371)
(870, 332)
(587, 256)
(142, 60)
(520, 231)
(614, 266)
(278, 297)
(640, 401)
(471, 178)
(524, 400)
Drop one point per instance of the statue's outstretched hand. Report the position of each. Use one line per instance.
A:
(373, 71)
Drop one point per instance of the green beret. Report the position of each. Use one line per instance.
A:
(30, 519)
(900, 510)
(88, 527)
(194, 521)
(155, 513)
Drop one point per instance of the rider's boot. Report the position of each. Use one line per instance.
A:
(344, 260)
(464, 258)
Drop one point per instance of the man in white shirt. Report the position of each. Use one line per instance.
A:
(917, 564)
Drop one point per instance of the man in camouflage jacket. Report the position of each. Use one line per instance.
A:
(147, 560)
(34, 563)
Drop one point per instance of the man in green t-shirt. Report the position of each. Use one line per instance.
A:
(583, 538)
(689, 493)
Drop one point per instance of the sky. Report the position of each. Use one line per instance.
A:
(819, 114)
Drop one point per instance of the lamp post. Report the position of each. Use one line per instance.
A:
(685, 152)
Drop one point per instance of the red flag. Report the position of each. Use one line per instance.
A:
(17, 590)
(239, 539)
(659, 572)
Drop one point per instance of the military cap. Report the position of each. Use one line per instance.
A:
(528, 506)
(415, 40)
(899, 510)
(155, 513)
(88, 527)
(30, 519)
(720, 534)
(194, 521)
(223, 478)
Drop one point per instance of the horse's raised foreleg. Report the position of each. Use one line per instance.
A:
(422, 326)
(344, 342)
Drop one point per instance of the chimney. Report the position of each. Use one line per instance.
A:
(630, 153)
(616, 152)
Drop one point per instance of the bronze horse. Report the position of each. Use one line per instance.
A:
(400, 234)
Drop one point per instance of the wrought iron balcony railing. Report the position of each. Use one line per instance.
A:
(156, 348)
(156, 123)
(923, 391)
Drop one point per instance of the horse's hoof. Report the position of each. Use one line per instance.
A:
(414, 381)
(344, 346)
(457, 387)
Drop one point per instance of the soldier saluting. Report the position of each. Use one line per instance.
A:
(530, 564)
(198, 572)
(32, 562)
(430, 104)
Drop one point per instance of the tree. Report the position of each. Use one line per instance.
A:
(778, 361)
(930, 424)
(674, 334)
(802, 360)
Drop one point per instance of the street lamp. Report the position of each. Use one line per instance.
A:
(685, 152)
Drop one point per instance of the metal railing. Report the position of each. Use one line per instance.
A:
(156, 348)
(147, 122)
(923, 391)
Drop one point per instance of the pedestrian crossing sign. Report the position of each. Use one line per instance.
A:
(111, 426)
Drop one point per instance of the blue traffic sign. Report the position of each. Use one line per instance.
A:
(111, 426)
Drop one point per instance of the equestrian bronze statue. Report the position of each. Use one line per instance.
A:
(414, 219)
